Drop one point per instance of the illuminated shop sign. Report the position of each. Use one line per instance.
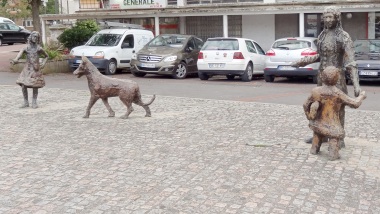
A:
(137, 4)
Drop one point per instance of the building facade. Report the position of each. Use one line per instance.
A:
(261, 20)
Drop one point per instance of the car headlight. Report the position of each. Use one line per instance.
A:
(170, 58)
(71, 55)
(134, 56)
(99, 55)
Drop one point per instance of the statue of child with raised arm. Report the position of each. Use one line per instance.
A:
(31, 75)
(322, 109)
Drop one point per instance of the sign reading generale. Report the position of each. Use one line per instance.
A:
(137, 4)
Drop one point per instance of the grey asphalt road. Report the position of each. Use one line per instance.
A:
(282, 91)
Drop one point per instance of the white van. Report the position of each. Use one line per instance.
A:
(111, 49)
(6, 20)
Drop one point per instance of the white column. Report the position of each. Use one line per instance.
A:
(301, 24)
(371, 25)
(156, 26)
(43, 31)
(182, 25)
(225, 26)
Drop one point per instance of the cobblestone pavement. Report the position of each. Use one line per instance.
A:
(191, 156)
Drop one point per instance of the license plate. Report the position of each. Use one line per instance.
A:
(286, 67)
(368, 73)
(78, 61)
(146, 65)
(216, 65)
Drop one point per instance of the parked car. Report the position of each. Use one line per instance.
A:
(111, 49)
(231, 57)
(6, 20)
(367, 56)
(11, 33)
(287, 50)
(168, 54)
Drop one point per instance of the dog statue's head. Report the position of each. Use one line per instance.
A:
(83, 68)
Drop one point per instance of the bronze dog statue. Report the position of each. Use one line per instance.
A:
(103, 87)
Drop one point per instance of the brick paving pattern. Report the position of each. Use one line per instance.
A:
(191, 156)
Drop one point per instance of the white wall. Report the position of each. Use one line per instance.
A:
(259, 28)
(69, 6)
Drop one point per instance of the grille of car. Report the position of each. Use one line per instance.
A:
(149, 58)
(147, 69)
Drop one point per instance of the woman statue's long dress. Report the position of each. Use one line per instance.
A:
(31, 75)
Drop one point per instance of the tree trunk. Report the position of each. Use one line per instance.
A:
(36, 15)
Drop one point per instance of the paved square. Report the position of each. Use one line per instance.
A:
(191, 156)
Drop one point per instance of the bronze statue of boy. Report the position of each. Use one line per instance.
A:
(322, 109)
(31, 75)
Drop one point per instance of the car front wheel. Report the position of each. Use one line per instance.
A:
(111, 67)
(247, 76)
(181, 71)
(268, 78)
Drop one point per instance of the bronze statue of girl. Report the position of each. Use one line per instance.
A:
(31, 75)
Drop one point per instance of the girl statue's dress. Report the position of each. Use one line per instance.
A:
(31, 76)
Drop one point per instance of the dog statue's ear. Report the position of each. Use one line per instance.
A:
(84, 59)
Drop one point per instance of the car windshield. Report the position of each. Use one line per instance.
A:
(221, 44)
(367, 49)
(104, 40)
(291, 44)
(175, 41)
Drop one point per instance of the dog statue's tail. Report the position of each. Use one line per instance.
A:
(151, 101)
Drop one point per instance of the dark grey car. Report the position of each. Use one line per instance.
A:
(11, 33)
(367, 56)
(168, 54)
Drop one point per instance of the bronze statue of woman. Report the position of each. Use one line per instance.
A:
(31, 75)
(335, 48)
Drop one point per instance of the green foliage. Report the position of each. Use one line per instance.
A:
(50, 8)
(79, 34)
(54, 54)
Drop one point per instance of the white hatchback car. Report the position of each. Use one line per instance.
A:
(231, 57)
(287, 50)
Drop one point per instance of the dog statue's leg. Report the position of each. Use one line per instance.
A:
(90, 104)
(147, 110)
(129, 110)
(145, 106)
(111, 112)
